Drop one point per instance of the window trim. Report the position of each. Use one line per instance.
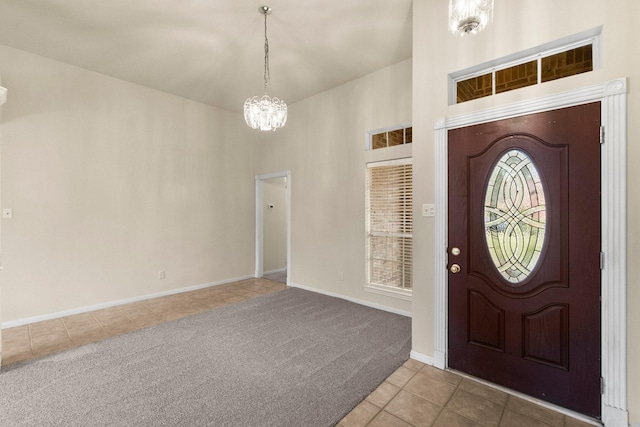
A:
(404, 294)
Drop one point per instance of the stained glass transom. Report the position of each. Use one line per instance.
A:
(515, 216)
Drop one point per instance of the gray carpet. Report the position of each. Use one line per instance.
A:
(292, 358)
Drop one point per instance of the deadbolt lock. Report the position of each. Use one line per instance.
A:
(455, 268)
(455, 251)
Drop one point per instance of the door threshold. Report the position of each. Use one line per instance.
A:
(539, 402)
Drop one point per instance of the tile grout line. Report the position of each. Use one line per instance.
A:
(451, 397)
(30, 340)
(126, 315)
(398, 392)
(99, 324)
(66, 329)
(504, 408)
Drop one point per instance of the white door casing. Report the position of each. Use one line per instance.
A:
(259, 240)
(3, 99)
(613, 98)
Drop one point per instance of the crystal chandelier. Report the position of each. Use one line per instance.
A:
(265, 113)
(469, 16)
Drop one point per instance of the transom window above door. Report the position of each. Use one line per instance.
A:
(566, 57)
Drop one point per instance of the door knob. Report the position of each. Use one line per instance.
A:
(455, 268)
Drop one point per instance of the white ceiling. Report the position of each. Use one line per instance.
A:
(212, 51)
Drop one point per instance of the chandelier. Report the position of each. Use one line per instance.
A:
(469, 16)
(265, 113)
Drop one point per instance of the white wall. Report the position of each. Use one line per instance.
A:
(518, 26)
(323, 144)
(111, 183)
(274, 225)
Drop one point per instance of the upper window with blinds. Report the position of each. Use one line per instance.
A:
(575, 55)
(389, 215)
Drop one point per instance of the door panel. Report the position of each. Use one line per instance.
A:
(524, 212)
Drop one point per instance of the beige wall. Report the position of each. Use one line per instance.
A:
(518, 26)
(323, 144)
(111, 183)
(274, 225)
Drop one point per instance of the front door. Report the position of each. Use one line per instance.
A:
(524, 254)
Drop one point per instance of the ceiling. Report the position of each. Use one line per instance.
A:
(212, 51)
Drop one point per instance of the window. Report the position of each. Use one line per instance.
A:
(574, 55)
(515, 216)
(568, 63)
(390, 137)
(389, 214)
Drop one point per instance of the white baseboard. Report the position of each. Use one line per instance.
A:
(427, 360)
(355, 300)
(40, 318)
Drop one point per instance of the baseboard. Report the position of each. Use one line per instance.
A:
(279, 270)
(57, 315)
(355, 300)
(427, 360)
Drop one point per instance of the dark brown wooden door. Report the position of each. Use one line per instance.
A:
(524, 254)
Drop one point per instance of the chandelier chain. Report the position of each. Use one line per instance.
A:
(267, 74)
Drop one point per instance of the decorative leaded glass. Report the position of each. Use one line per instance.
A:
(515, 216)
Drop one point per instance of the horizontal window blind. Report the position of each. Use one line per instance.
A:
(390, 225)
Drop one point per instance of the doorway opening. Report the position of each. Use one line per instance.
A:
(273, 226)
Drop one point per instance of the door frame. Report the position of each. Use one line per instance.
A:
(259, 238)
(3, 100)
(613, 97)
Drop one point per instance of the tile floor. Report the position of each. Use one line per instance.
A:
(50, 336)
(421, 395)
(414, 395)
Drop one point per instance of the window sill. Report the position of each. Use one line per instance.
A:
(404, 294)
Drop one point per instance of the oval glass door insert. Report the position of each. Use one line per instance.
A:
(515, 216)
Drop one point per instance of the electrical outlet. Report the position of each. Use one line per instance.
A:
(428, 210)
(161, 275)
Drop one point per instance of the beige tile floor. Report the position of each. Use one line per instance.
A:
(421, 395)
(414, 395)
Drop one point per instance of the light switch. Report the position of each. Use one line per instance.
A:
(428, 210)
(7, 213)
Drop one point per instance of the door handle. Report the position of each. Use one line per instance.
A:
(455, 268)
